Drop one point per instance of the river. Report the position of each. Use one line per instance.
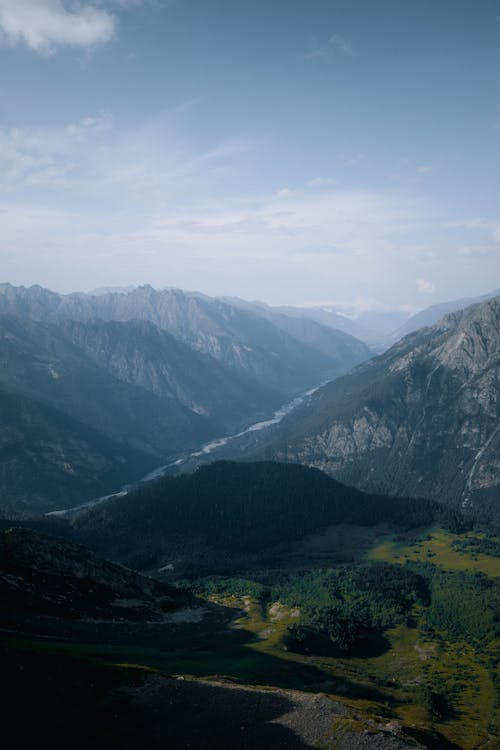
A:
(204, 450)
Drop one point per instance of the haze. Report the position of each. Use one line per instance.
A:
(298, 152)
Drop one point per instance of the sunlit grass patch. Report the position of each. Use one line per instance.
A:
(435, 546)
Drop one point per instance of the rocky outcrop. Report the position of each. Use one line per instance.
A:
(261, 719)
(420, 420)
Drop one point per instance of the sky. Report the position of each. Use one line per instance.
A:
(310, 152)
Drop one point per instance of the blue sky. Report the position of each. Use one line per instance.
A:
(295, 151)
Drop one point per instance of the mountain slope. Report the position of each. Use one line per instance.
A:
(38, 360)
(302, 325)
(141, 354)
(285, 360)
(223, 514)
(87, 407)
(370, 327)
(50, 461)
(43, 575)
(434, 313)
(421, 419)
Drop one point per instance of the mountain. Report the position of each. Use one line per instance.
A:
(295, 642)
(420, 420)
(241, 340)
(371, 326)
(306, 326)
(87, 407)
(143, 355)
(224, 515)
(50, 461)
(434, 313)
(39, 360)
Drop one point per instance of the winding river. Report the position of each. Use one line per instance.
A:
(204, 450)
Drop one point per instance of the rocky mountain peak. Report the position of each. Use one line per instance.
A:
(420, 420)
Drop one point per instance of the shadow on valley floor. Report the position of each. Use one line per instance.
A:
(72, 702)
(198, 641)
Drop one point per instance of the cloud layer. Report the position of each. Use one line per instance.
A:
(43, 24)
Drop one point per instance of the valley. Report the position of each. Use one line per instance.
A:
(250, 374)
(403, 688)
(280, 576)
(153, 374)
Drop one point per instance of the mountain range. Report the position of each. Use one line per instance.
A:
(379, 329)
(312, 594)
(279, 353)
(96, 391)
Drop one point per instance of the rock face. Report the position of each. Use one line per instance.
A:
(420, 420)
(276, 351)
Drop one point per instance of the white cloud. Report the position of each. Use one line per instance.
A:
(335, 45)
(478, 223)
(305, 246)
(341, 45)
(351, 161)
(411, 176)
(486, 229)
(30, 156)
(89, 205)
(425, 287)
(297, 245)
(284, 193)
(321, 182)
(42, 24)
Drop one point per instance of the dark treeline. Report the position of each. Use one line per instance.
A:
(342, 608)
(477, 545)
(464, 605)
(242, 508)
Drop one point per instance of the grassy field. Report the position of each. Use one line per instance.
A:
(418, 679)
(435, 546)
(398, 683)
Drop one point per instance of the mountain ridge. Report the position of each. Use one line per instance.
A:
(242, 340)
(420, 419)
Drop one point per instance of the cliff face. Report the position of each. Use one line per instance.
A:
(421, 420)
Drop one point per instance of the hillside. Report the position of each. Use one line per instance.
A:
(227, 514)
(433, 314)
(420, 420)
(50, 461)
(286, 631)
(104, 402)
(45, 576)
